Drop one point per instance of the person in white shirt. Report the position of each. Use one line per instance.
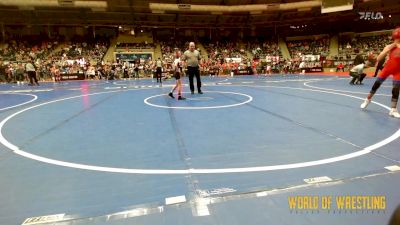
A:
(159, 65)
(268, 71)
(192, 58)
(177, 69)
(302, 67)
(357, 72)
(31, 70)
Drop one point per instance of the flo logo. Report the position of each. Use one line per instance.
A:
(371, 15)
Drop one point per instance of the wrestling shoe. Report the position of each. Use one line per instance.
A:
(365, 103)
(394, 113)
(171, 95)
(181, 98)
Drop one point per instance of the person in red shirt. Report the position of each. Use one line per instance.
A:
(392, 67)
(340, 67)
(255, 63)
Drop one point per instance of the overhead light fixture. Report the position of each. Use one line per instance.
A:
(256, 12)
(56, 3)
(337, 8)
(234, 8)
(68, 3)
(184, 6)
(157, 11)
(304, 9)
(26, 8)
(90, 4)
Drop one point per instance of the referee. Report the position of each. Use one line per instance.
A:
(192, 58)
(31, 70)
(159, 65)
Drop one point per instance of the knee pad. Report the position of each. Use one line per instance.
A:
(395, 92)
(396, 84)
(376, 85)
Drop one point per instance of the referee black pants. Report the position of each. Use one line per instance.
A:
(32, 77)
(194, 71)
(159, 74)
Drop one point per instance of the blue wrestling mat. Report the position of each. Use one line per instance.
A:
(250, 150)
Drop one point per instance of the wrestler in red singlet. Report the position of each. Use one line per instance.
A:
(392, 67)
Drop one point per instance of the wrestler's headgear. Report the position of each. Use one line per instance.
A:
(396, 33)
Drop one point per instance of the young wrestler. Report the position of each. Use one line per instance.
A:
(392, 67)
(176, 67)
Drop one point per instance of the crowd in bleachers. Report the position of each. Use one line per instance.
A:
(309, 47)
(70, 57)
(263, 48)
(84, 55)
(91, 50)
(129, 46)
(169, 47)
(16, 52)
(349, 47)
(223, 49)
(368, 46)
(20, 49)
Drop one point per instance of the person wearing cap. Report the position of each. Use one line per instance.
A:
(392, 67)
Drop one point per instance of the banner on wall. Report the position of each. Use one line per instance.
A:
(75, 76)
(237, 60)
(133, 56)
